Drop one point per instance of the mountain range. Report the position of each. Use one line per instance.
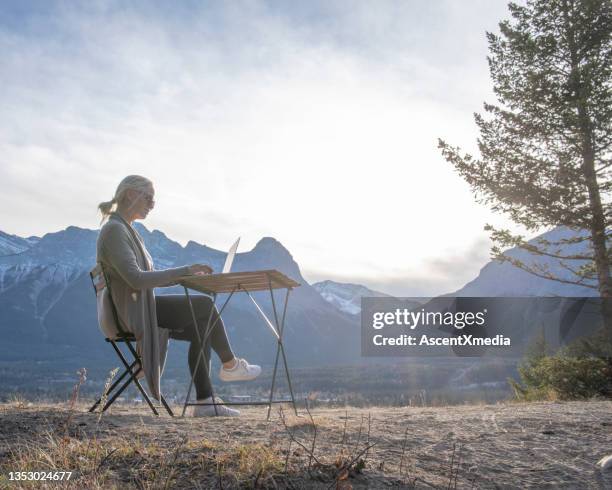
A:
(504, 279)
(47, 301)
(345, 296)
(47, 304)
(494, 279)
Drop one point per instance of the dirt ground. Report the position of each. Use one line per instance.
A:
(530, 445)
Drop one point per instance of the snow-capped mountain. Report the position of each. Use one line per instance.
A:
(494, 279)
(46, 297)
(504, 279)
(12, 244)
(345, 296)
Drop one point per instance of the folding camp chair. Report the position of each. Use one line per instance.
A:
(100, 281)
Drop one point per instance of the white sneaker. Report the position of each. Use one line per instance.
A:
(209, 410)
(242, 371)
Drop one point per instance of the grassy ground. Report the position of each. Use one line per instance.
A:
(537, 445)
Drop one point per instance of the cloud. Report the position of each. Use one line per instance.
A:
(313, 122)
(455, 264)
(434, 276)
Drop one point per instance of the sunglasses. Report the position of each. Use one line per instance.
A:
(149, 199)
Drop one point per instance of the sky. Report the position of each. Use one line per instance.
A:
(313, 122)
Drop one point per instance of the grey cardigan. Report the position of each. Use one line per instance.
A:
(128, 267)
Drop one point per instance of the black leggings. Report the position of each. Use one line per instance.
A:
(173, 313)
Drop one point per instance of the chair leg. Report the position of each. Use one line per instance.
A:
(113, 386)
(117, 393)
(133, 376)
(166, 406)
(129, 370)
(134, 379)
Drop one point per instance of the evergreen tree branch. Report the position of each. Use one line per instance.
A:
(585, 271)
(539, 273)
(504, 239)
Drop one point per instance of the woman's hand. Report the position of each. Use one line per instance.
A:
(200, 269)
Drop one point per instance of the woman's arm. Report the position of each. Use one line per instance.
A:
(118, 251)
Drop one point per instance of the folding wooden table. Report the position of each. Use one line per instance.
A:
(236, 282)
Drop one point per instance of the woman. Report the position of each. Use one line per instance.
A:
(153, 320)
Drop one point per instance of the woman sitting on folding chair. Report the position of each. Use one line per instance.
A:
(129, 269)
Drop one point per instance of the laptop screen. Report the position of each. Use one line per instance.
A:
(230, 257)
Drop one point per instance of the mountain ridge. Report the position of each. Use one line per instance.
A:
(47, 299)
(345, 296)
(504, 279)
(46, 296)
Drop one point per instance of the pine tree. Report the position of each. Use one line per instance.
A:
(545, 147)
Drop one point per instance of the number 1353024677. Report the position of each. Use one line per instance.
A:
(39, 475)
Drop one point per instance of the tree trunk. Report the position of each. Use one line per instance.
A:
(598, 233)
(598, 221)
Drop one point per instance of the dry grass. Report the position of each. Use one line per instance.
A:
(141, 461)
(512, 445)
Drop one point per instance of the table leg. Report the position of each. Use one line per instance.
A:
(277, 331)
(201, 355)
(280, 348)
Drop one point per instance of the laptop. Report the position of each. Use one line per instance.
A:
(230, 257)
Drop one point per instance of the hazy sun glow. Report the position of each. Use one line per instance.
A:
(316, 125)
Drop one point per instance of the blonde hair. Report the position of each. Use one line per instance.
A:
(136, 182)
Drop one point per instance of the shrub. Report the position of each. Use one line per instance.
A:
(564, 378)
(570, 374)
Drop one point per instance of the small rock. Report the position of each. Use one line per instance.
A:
(605, 463)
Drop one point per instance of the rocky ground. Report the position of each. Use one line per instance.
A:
(534, 445)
